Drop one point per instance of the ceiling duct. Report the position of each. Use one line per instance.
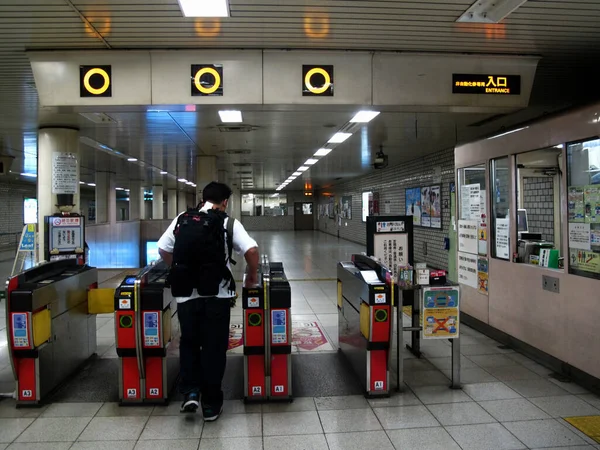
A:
(242, 164)
(236, 128)
(238, 152)
(98, 117)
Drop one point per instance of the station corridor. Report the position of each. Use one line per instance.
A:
(507, 401)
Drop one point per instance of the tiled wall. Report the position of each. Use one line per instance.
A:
(268, 223)
(11, 218)
(391, 184)
(538, 200)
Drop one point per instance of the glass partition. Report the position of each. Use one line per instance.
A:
(583, 162)
(500, 223)
(264, 204)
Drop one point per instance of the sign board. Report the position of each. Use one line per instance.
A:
(390, 240)
(390, 227)
(470, 202)
(580, 236)
(441, 316)
(95, 81)
(486, 84)
(467, 236)
(467, 269)
(317, 81)
(207, 80)
(392, 250)
(64, 173)
(502, 238)
(66, 234)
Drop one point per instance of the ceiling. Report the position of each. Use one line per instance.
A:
(565, 34)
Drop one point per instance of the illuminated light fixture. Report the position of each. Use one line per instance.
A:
(311, 161)
(132, 159)
(274, 195)
(182, 180)
(119, 189)
(33, 175)
(508, 132)
(293, 177)
(92, 184)
(162, 172)
(296, 174)
(303, 168)
(204, 8)
(230, 116)
(364, 116)
(489, 11)
(82, 182)
(323, 152)
(338, 138)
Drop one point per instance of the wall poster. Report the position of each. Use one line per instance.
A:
(470, 202)
(502, 239)
(482, 275)
(575, 203)
(426, 207)
(346, 208)
(413, 204)
(580, 236)
(64, 173)
(467, 236)
(592, 204)
(467, 269)
(441, 312)
(436, 207)
(584, 260)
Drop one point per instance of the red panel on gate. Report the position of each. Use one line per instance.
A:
(26, 375)
(256, 377)
(380, 326)
(154, 378)
(279, 376)
(125, 329)
(378, 370)
(254, 331)
(131, 379)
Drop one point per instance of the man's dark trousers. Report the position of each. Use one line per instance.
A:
(203, 349)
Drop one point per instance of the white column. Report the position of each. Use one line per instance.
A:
(172, 203)
(50, 141)
(206, 171)
(144, 214)
(235, 203)
(182, 203)
(157, 203)
(135, 204)
(106, 198)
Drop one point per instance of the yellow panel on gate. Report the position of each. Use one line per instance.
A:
(42, 328)
(339, 294)
(589, 425)
(365, 320)
(101, 301)
(166, 325)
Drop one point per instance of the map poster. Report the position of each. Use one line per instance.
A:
(575, 203)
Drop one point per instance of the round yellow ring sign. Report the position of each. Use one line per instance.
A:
(214, 87)
(88, 86)
(310, 87)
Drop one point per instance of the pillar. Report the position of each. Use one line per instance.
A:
(136, 201)
(157, 203)
(64, 143)
(182, 202)
(206, 171)
(106, 198)
(172, 203)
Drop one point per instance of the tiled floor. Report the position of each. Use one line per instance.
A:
(507, 400)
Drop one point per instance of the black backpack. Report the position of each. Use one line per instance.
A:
(201, 252)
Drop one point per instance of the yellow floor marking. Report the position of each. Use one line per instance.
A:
(588, 425)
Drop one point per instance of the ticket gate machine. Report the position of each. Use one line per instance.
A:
(50, 332)
(268, 336)
(365, 302)
(144, 325)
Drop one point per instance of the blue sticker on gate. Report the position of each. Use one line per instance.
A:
(278, 321)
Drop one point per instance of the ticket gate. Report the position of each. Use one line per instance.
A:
(145, 330)
(365, 302)
(50, 330)
(268, 336)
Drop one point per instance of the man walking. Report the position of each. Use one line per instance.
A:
(198, 246)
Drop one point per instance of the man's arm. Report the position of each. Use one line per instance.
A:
(166, 256)
(252, 259)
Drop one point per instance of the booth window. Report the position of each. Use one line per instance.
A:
(500, 221)
(264, 204)
(538, 215)
(583, 162)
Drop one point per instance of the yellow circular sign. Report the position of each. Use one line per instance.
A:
(214, 87)
(310, 87)
(88, 86)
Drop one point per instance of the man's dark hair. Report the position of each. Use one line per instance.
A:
(216, 192)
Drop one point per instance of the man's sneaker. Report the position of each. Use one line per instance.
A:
(190, 403)
(211, 413)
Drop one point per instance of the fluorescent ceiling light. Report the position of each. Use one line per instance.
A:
(162, 172)
(274, 195)
(182, 180)
(92, 184)
(303, 168)
(231, 116)
(338, 138)
(364, 116)
(323, 152)
(82, 182)
(34, 175)
(119, 189)
(132, 159)
(292, 178)
(204, 8)
(311, 161)
(489, 11)
(508, 132)
(297, 174)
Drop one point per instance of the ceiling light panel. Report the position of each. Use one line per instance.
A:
(230, 116)
(311, 161)
(338, 138)
(489, 11)
(303, 168)
(323, 152)
(364, 116)
(204, 8)
(297, 174)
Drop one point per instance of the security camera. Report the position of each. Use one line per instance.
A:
(5, 163)
(381, 160)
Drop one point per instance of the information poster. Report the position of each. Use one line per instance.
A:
(392, 250)
(580, 236)
(575, 202)
(413, 204)
(426, 207)
(470, 202)
(592, 204)
(66, 234)
(441, 315)
(482, 275)
(595, 237)
(346, 212)
(502, 239)
(64, 173)
(482, 231)
(374, 204)
(436, 207)
(467, 269)
(585, 260)
(467, 236)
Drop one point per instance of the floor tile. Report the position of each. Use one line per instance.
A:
(342, 421)
(172, 427)
(395, 418)
(114, 410)
(592, 399)
(510, 373)
(103, 445)
(446, 363)
(72, 410)
(460, 414)
(39, 446)
(422, 438)
(405, 398)
(426, 378)
(54, 429)
(416, 364)
(113, 428)
(246, 443)
(543, 433)
(492, 436)
(565, 406)
(477, 375)
(299, 404)
(234, 425)
(570, 387)
(341, 402)
(359, 441)
(304, 442)
(513, 410)
(290, 423)
(535, 388)
(11, 428)
(485, 361)
(441, 394)
(168, 444)
(8, 410)
(490, 391)
(478, 349)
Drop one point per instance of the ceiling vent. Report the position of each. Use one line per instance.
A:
(236, 128)
(242, 164)
(98, 117)
(244, 172)
(238, 151)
